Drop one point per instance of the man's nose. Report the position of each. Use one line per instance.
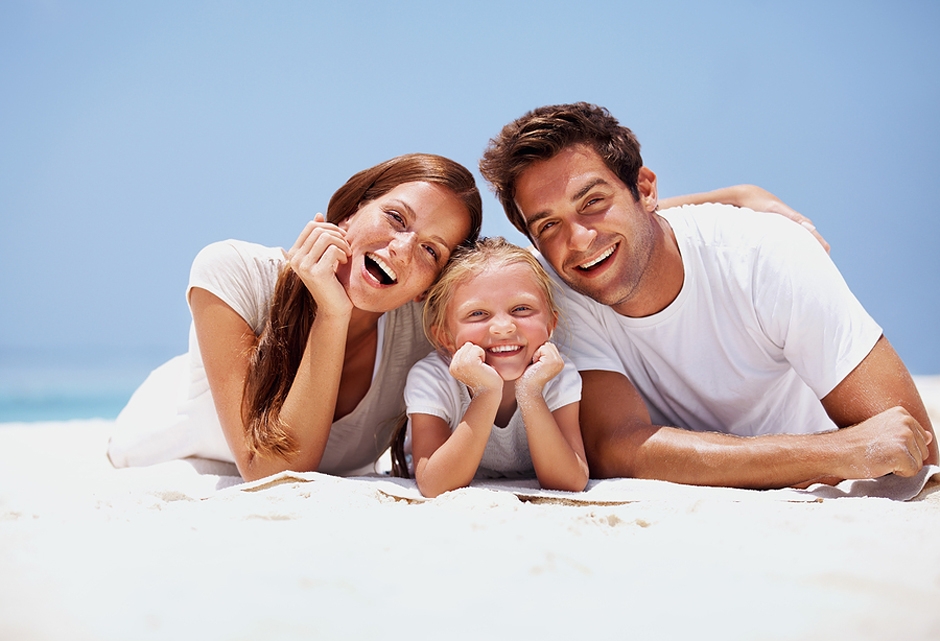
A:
(581, 236)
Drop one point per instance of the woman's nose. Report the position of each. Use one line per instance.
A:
(402, 244)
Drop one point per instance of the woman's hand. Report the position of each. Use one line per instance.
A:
(750, 196)
(758, 199)
(316, 255)
(546, 365)
(468, 366)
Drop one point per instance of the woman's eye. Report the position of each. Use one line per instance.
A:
(431, 251)
(396, 216)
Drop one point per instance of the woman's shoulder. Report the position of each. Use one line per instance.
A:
(235, 253)
(240, 273)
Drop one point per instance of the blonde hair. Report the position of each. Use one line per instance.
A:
(467, 262)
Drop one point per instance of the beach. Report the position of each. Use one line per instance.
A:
(184, 550)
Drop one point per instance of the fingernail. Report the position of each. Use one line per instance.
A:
(810, 226)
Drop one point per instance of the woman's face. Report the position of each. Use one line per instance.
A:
(400, 242)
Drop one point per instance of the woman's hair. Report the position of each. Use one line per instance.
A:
(487, 253)
(542, 133)
(276, 357)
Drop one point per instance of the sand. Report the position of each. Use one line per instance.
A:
(181, 550)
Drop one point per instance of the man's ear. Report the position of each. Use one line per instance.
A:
(649, 194)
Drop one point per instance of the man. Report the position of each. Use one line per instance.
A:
(743, 342)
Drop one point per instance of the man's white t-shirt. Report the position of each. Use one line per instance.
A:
(762, 329)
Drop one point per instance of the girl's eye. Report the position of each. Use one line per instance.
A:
(476, 314)
(521, 309)
(431, 251)
(397, 217)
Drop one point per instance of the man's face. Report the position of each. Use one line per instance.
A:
(586, 223)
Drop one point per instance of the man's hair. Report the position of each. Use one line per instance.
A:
(542, 133)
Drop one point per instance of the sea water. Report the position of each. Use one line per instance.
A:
(46, 384)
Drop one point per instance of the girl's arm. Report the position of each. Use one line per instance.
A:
(226, 340)
(555, 443)
(750, 196)
(446, 460)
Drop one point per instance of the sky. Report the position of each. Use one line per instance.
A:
(133, 134)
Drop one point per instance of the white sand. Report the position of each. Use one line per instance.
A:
(167, 552)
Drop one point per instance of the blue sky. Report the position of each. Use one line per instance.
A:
(132, 134)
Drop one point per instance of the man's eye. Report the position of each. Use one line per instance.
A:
(545, 228)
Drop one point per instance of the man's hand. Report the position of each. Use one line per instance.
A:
(890, 442)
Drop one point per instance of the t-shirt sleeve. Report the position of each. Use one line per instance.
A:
(429, 390)
(808, 310)
(242, 275)
(564, 389)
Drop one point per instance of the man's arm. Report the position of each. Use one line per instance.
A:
(621, 441)
(879, 383)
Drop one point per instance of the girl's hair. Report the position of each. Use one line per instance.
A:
(487, 253)
(276, 357)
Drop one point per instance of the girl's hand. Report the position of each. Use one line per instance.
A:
(468, 366)
(315, 257)
(546, 365)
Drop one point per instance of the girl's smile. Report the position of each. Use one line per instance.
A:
(505, 313)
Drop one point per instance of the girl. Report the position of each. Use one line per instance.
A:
(505, 404)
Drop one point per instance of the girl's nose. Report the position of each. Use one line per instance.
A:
(502, 325)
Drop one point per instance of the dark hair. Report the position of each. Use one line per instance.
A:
(280, 347)
(542, 133)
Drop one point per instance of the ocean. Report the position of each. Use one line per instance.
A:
(45, 384)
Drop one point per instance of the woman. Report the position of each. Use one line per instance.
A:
(285, 349)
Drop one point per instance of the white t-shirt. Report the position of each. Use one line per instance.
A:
(431, 389)
(172, 414)
(763, 327)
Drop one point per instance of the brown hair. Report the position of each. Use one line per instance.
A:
(280, 347)
(542, 133)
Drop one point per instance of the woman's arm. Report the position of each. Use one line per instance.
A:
(226, 342)
(750, 196)
(555, 443)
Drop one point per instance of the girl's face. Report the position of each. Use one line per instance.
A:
(400, 242)
(504, 311)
